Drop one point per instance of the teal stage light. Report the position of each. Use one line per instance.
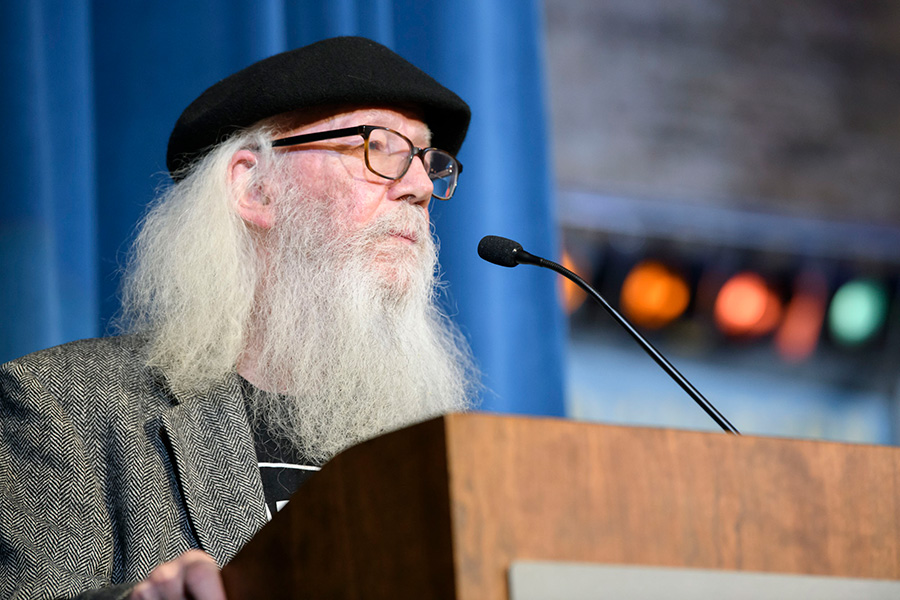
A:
(858, 312)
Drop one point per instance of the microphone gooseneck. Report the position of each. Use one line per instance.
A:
(507, 253)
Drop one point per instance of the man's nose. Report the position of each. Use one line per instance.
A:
(415, 186)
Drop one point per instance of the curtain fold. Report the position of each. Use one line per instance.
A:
(91, 92)
(47, 211)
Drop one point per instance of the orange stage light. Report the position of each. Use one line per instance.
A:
(653, 295)
(572, 295)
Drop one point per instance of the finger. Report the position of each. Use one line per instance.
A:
(143, 591)
(165, 582)
(194, 574)
(202, 579)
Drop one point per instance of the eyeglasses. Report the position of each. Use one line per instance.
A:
(390, 153)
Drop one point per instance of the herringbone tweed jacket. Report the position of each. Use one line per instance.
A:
(106, 471)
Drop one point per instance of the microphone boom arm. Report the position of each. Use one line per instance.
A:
(523, 257)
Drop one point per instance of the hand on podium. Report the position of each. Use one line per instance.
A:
(194, 575)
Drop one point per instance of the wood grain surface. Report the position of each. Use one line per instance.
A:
(440, 510)
(558, 490)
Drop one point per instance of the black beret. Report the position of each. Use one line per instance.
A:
(333, 72)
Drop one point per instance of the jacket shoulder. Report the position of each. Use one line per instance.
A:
(105, 349)
(81, 372)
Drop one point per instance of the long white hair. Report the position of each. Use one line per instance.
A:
(192, 273)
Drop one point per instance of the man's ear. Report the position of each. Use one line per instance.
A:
(251, 200)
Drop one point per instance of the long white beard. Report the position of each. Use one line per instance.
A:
(349, 342)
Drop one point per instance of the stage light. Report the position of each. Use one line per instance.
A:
(653, 295)
(799, 332)
(572, 295)
(858, 312)
(746, 306)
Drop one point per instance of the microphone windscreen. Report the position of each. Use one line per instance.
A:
(499, 250)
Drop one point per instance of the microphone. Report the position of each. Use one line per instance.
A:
(507, 253)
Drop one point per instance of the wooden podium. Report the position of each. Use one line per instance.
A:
(441, 509)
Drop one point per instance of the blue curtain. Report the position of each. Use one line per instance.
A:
(90, 92)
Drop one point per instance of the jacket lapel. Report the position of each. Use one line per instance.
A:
(216, 465)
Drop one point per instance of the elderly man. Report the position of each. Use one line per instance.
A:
(280, 306)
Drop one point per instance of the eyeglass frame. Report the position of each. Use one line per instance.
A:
(364, 131)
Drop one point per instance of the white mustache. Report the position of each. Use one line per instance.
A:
(406, 221)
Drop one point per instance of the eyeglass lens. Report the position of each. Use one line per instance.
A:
(389, 155)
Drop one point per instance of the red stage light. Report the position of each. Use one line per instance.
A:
(799, 333)
(746, 306)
